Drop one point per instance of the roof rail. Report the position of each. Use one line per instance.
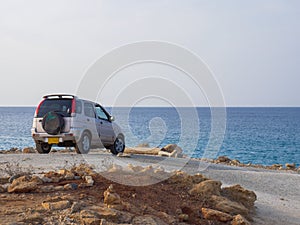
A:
(59, 96)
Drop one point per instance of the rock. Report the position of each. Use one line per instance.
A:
(111, 199)
(75, 207)
(23, 184)
(69, 175)
(58, 188)
(89, 180)
(239, 220)
(46, 189)
(239, 194)
(183, 217)
(171, 150)
(46, 180)
(211, 214)
(34, 218)
(143, 220)
(276, 166)
(225, 205)
(83, 170)
(166, 217)
(56, 205)
(71, 186)
(37, 180)
(206, 188)
(109, 214)
(28, 150)
(223, 159)
(124, 155)
(290, 166)
(2, 189)
(55, 177)
(235, 162)
(89, 217)
(13, 177)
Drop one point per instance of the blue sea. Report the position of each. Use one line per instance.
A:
(259, 135)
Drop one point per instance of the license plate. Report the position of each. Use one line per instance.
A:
(53, 140)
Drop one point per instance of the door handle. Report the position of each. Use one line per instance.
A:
(88, 119)
(101, 122)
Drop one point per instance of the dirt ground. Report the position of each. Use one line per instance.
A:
(168, 202)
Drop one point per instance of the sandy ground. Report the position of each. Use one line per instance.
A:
(278, 192)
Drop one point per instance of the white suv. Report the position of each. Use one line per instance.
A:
(67, 121)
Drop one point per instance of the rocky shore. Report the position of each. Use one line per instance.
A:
(171, 150)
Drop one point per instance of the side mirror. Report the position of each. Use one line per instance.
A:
(111, 118)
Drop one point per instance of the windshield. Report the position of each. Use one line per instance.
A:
(62, 106)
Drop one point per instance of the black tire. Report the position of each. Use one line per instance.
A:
(53, 123)
(43, 148)
(118, 146)
(84, 144)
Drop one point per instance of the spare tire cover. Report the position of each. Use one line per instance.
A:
(53, 123)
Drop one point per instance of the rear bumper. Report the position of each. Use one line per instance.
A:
(72, 136)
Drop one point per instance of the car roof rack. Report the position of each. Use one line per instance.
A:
(59, 96)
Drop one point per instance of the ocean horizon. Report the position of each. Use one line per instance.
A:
(260, 135)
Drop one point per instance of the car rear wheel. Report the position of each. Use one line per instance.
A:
(118, 146)
(43, 148)
(84, 144)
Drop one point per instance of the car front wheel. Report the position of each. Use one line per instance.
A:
(118, 146)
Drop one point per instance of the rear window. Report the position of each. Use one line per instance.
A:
(63, 106)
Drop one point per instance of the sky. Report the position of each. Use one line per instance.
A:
(252, 47)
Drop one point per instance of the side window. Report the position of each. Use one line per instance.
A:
(78, 107)
(89, 110)
(100, 113)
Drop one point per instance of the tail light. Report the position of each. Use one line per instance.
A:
(38, 108)
(73, 110)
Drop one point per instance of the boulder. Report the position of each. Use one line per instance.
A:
(56, 204)
(290, 166)
(89, 180)
(171, 150)
(211, 214)
(239, 220)
(76, 207)
(276, 166)
(83, 170)
(143, 220)
(206, 188)
(183, 217)
(239, 194)
(28, 150)
(235, 162)
(2, 189)
(71, 186)
(223, 159)
(225, 205)
(89, 217)
(111, 198)
(124, 155)
(46, 189)
(23, 184)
